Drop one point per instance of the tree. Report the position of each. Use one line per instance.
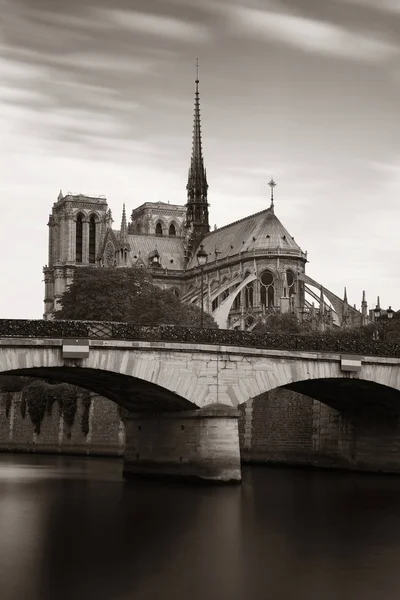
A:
(283, 323)
(125, 295)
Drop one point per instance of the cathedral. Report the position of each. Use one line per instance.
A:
(241, 273)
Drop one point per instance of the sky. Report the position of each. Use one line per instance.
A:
(96, 97)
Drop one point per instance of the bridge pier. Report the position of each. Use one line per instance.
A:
(198, 445)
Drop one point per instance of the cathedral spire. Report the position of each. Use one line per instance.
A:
(124, 227)
(197, 186)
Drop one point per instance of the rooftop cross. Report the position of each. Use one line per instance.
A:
(272, 184)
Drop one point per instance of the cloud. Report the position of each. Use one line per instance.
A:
(387, 184)
(310, 35)
(157, 25)
(389, 6)
(105, 62)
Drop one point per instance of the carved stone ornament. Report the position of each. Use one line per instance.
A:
(87, 205)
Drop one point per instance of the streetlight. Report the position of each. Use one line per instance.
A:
(377, 315)
(202, 258)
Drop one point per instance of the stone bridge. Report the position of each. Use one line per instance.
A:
(183, 386)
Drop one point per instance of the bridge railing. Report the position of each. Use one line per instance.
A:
(19, 328)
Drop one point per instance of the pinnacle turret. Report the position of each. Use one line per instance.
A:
(197, 186)
(124, 227)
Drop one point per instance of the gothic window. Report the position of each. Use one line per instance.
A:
(214, 304)
(92, 240)
(175, 292)
(155, 260)
(291, 283)
(248, 292)
(267, 296)
(249, 295)
(172, 230)
(158, 229)
(78, 239)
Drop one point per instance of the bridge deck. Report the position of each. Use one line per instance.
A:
(99, 330)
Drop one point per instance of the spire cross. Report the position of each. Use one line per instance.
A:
(197, 69)
(272, 184)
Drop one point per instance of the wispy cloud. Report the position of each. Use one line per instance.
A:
(311, 35)
(157, 25)
(389, 6)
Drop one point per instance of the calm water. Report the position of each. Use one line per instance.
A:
(71, 528)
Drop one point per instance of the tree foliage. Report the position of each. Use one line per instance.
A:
(388, 329)
(126, 295)
(283, 323)
(13, 383)
(39, 396)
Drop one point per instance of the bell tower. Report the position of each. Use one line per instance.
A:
(77, 225)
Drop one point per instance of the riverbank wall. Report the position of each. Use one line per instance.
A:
(280, 427)
(97, 429)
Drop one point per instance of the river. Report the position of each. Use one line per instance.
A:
(71, 528)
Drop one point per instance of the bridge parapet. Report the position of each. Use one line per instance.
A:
(24, 328)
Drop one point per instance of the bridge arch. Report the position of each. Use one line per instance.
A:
(133, 393)
(350, 395)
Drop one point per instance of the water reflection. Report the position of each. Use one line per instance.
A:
(71, 528)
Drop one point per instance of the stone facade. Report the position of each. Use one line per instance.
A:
(158, 218)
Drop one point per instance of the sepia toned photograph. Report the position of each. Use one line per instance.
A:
(199, 300)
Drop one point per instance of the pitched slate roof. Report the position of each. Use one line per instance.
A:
(170, 249)
(261, 231)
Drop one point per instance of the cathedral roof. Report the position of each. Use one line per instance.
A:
(170, 250)
(259, 232)
(159, 204)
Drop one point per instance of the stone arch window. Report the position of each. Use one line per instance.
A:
(175, 292)
(249, 295)
(92, 239)
(79, 238)
(172, 230)
(249, 292)
(291, 281)
(159, 230)
(267, 289)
